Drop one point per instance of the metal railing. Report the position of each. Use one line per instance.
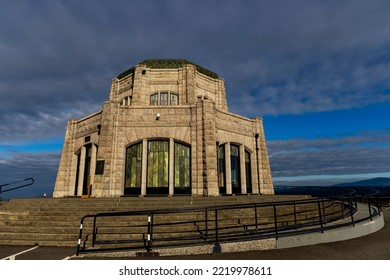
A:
(153, 229)
(16, 185)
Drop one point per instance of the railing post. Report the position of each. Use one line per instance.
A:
(256, 222)
(369, 207)
(216, 225)
(378, 204)
(207, 223)
(217, 246)
(150, 232)
(342, 206)
(351, 212)
(323, 209)
(94, 232)
(276, 223)
(80, 235)
(295, 215)
(355, 200)
(320, 215)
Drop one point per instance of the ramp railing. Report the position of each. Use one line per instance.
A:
(149, 230)
(16, 185)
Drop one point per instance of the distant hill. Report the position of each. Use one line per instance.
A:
(375, 182)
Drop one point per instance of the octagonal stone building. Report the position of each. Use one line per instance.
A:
(165, 130)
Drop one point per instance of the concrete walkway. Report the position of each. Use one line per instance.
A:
(375, 246)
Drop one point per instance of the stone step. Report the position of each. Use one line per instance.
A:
(56, 222)
(24, 242)
(39, 238)
(169, 201)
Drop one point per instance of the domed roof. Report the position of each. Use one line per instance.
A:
(169, 64)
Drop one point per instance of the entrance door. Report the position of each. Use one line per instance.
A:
(83, 173)
(87, 170)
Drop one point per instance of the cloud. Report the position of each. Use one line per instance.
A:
(277, 57)
(365, 152)
(42, 167)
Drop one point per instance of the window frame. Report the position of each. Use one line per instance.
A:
(138, 148)
(177, 168)
(156, 98)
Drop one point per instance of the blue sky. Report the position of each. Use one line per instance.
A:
(318, 72)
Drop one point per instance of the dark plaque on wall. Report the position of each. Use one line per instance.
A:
(99, 167)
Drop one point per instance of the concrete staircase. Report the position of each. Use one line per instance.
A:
(55, 222)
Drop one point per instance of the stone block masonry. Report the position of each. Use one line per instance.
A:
(165, 130)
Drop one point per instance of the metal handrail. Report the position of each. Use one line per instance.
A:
(216, 224)
(27, 182)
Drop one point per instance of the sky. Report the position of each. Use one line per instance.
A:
(318, 72)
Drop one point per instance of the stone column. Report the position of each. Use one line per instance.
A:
(93, 165)
(190, 73)
(144, 166)
(254, 177)
(209, 154)
(242, 169)
(228, 169)
(81, 171)
(197, 151)
(66, 176)
(266, 185)
(73, 185)
(171, 168)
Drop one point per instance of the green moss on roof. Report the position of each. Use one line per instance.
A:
(169, 64)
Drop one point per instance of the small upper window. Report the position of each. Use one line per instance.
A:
(154, 99)
(126, 101)
(174, 99)
(164, 98)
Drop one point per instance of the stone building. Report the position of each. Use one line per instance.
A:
(165, 130)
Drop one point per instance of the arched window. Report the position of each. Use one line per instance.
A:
(133, 169)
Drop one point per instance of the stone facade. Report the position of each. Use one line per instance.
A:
(165, 129)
